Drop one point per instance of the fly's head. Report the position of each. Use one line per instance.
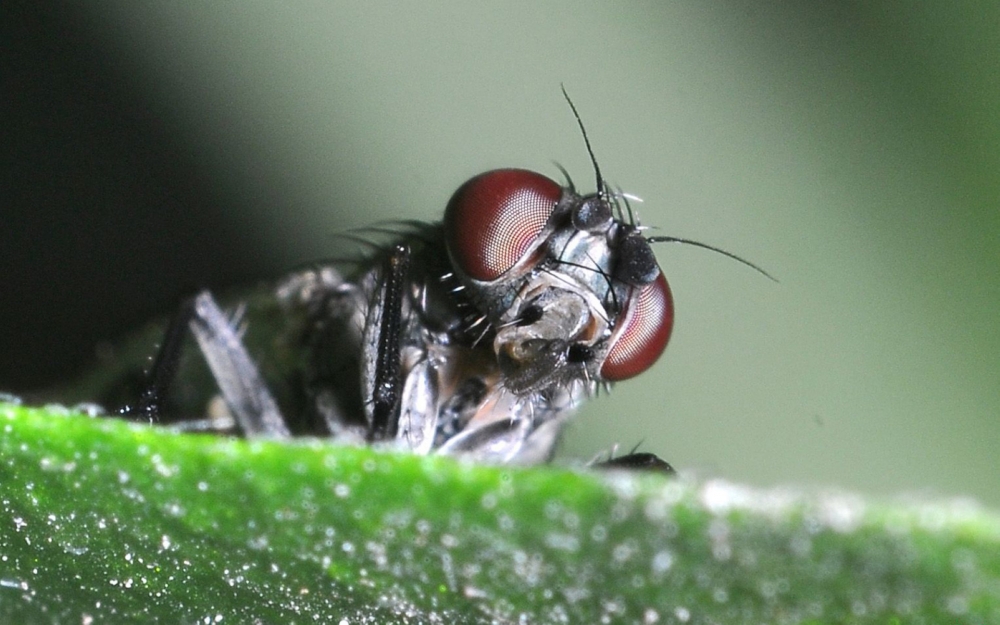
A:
(571, 288)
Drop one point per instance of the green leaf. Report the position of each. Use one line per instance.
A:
(105, 521)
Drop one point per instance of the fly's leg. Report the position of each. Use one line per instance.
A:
(383, 332)
(243, 388)
(161, 375)
(638, 461)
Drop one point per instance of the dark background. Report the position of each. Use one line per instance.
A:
(853, 150)
(107, 217)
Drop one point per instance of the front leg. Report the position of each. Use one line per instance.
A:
(382, 339)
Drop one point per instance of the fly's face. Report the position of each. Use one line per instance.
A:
(572, 290)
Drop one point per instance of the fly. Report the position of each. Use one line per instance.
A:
(477, 336)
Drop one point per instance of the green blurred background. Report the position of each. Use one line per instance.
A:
(852, 149)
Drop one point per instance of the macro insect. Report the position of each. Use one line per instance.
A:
(477, 336)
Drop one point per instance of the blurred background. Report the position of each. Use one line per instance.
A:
(851, 149)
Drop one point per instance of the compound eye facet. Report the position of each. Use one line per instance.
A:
(642, 333)
(494, 220)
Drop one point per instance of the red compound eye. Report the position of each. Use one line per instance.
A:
(494, 219)
(642, 333)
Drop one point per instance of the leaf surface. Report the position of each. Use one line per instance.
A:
(104, 521)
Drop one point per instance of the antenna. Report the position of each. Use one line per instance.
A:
(713, 249)
(597, 170)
